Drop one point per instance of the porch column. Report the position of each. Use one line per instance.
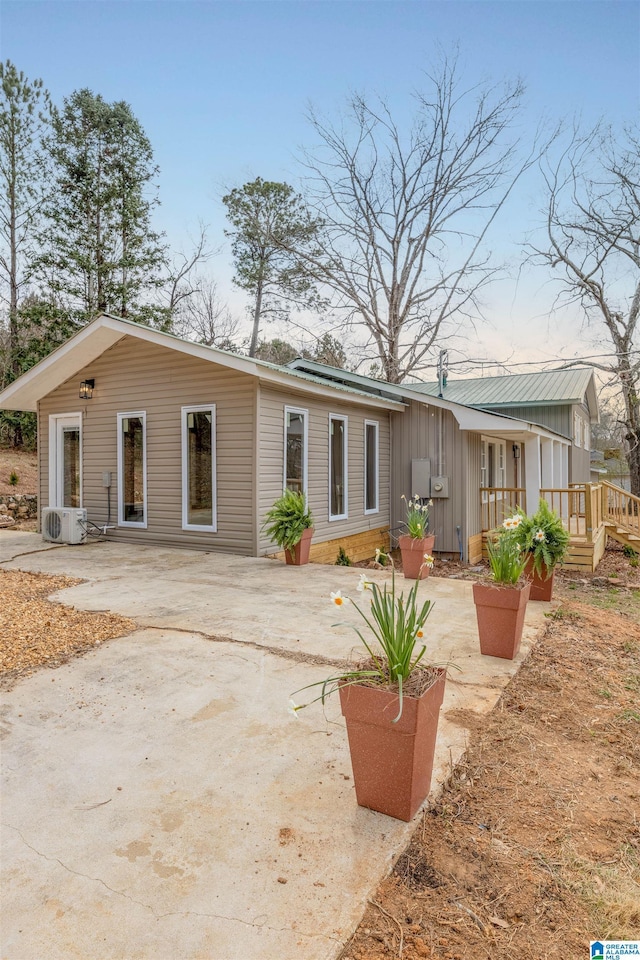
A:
(557, 464)
(565, 465)
(532, 472)
(546, 462)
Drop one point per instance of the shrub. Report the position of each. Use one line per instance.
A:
(13, 478)
(343, 559)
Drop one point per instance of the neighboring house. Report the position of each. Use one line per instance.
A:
(170, 442)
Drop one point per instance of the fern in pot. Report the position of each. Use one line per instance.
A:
(289, 523)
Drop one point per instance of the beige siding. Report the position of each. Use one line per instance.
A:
(271, 458)
(427, 432)
(135, 376)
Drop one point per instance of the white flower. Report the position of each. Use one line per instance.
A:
(428, 560)
(540, 536)
(364, 584)
(293, 709)
(511, 523)
(338, 599)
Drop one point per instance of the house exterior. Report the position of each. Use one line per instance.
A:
(180, 444)
(565, 401)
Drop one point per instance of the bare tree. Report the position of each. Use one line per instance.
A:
(593, 244)
(201, 315)
(406, 213)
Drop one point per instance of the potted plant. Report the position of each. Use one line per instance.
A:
(289, 523)
(544, 541)
(501, 604)
(417, 541)
(390, 701)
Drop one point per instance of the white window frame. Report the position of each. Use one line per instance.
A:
(141, 524)
(56, 484)
(499, 466)
(202, 527)
(345, 498)
(376, 425)
(586, 434)
(576, 428)
(305, 452)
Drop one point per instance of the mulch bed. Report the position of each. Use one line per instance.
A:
(36, 632)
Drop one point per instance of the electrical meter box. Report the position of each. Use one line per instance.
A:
(439, 487)
(420, 479)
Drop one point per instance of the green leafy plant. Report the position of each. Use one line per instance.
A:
(287, 519)
(14, 478)
(417, 518)
(343, 559)
(394, 651)
(506, 559)
(541, 536)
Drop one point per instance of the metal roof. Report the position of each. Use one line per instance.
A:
(547, 387)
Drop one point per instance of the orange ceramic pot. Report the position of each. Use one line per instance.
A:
(392, 762)
(300, 553)
(541, 586)
(413, 550)
(500, 612)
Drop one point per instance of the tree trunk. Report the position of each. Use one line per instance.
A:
(256, 321)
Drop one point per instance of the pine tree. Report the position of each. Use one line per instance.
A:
(99, 253)
(24, 115)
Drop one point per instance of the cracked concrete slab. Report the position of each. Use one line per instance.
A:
(159, 802)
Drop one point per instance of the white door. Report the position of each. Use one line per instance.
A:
(65, 466)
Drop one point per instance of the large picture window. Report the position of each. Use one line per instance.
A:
(295, 449)
(371, 466)
(338, 479)
(132, 470)
(198, 468)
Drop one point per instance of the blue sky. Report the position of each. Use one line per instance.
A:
(221, 88)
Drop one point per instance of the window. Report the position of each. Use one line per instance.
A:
(338, 499)
(295, 449)
(65, 460)
(132, 470)
(492, 465)
(198, 468)
(586, 435)
(576, 428)
(371, 466)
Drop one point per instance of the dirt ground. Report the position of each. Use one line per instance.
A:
(25, 467)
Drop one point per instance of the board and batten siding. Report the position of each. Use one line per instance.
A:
(271, 407)
(416, 436)
(133, 376)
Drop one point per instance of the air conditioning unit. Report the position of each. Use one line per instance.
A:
(64, 524)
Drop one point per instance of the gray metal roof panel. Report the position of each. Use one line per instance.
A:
(549, 386)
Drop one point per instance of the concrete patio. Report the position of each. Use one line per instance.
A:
(158, 800)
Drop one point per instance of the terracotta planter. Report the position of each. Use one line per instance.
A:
(392, 762)
(500, 611)
(541, 587)
(300, 553)
(413, 550)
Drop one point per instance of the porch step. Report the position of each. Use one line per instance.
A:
(623, 536)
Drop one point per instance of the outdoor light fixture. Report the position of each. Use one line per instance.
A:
(516, 452)
(86, 389)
